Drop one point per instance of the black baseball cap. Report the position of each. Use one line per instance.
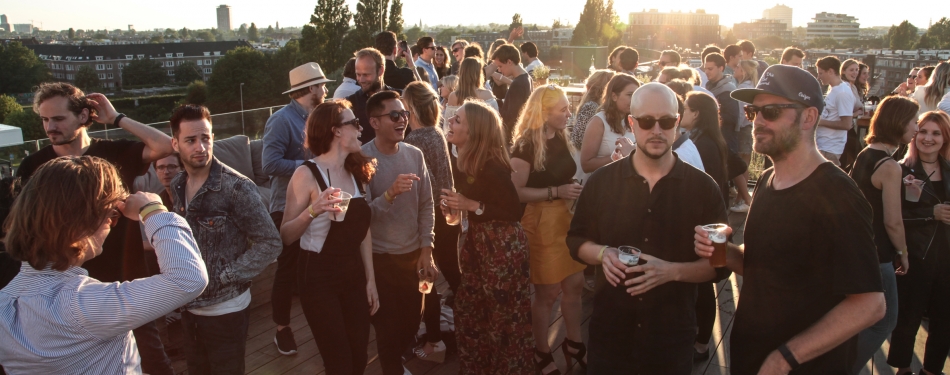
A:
(789, 82)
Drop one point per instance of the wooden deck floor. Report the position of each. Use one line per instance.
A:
(262, 356)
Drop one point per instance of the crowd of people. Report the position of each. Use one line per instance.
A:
(456, 166)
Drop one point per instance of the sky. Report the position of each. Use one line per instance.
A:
(199, 14)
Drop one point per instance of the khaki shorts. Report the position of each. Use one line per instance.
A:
(831, 157)
(745, 140)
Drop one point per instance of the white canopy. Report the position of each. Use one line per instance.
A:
(10, 135)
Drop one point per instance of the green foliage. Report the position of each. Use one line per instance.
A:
(596, 25)
(8, 105)
(269, 31)
(770, 42)
(516, 22)
(242, 31)
(86, 78)
(940, 33)
(242, 65)
(72, 33)
(730, 38)
(144, 72)
(252, 33)
(157, 39)
(443, 37)
(902, 36)
(171, 33)
(29, 122)
(555, 54)
(823, 42)
(395, 19)
(206, 36)
(367, 22)
(283, 61)
(322, 39)
(20, 69)
(414, 33)
(184, 32)
(150, 113)
(197, 93)
(851, 43)
(925, 42)
(188, 72)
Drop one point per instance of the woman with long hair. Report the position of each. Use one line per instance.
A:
(590, 102)
(850, 69)
(864, 73)
(543, 168)
(493, 304)
(929, 95)
(878, 176)
(849, 72)
(470, 87)
(701, 119)
(926, 285)
(424, 118)
(447, 85)
(608, 137)
(442, 64)
(336, 264)
(747, 74)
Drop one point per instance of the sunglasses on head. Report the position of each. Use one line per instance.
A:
(769, 112)
(647, 123)
(395, 115)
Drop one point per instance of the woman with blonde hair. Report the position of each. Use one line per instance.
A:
(423, 106)
(937, 86)
(543, 171)
(493, 304)
(590, 102)
(447, 85)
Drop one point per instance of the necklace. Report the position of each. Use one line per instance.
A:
(928, 162)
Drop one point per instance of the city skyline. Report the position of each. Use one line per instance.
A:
(201, 14)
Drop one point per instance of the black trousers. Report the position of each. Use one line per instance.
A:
(154, 359)
(285, 278)
(215, 344)
(925, 287)
(445, 253)
(336, 309)
(705, 311)
(400, 307)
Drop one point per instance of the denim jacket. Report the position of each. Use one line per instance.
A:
(234, 232)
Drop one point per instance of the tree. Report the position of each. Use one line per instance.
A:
(850, 43)
(241, 65)
(29, 122)
(596, 25)
(414, 33)
(188, 72)
(395, 19)
(283, 61)
(269, 31)
(86, 78)
(184, 33)
(556, 25)
(444, 36)
(143, 72)
(902, 36)
(242, 31)
(22, 69)
(730, 38)
(171, 33)
(823, 42)
(196, 93)
(925, 42)
(206, 36)
(322, 39)
(940, 33)
(72, 33)
(771, 42)
(8, 105)
(252, 33)
(157, 39)
(367, 22)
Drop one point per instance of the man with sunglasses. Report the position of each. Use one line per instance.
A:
(644, 321)
(458, 51)
(403, 228)
(811, 279)
(832, 133)
(426, 55)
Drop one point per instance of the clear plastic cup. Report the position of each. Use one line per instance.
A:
(717, 233)
(913, 189)
(339, 216)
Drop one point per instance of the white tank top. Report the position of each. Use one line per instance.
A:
(609, 142)
(316, 234)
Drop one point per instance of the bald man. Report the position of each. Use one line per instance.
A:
(644, 321)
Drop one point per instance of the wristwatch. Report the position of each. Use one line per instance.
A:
(481, 208)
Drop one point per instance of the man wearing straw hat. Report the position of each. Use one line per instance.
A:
(283, 153)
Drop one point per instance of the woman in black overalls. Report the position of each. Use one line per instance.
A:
(335, 269)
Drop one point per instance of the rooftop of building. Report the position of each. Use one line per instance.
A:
(120, 51)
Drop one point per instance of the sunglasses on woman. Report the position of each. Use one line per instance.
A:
(647, 123)
(395, 115)
(355, 122)
(770, 112)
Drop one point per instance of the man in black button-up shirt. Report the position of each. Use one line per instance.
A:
(650, 200)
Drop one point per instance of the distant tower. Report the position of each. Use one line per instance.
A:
(3, 22)
(779, 12)
(224, 17)
(278, 26)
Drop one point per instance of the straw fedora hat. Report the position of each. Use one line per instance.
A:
(308, 74)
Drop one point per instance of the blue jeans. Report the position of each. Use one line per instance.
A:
(871, 338)
(215, 344)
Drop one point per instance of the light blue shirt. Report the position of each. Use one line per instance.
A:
(283, 150)
(430, 69)
(65, 322)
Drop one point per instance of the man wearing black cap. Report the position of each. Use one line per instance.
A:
(811, 280)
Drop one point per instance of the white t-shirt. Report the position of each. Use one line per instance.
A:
(944, 104)
(839, 103)
(689, 154)
(534, 64)
(232, 305)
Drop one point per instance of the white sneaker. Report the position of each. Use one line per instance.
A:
(405, 371)
(739, 207)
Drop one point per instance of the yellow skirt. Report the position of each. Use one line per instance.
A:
(546, 225)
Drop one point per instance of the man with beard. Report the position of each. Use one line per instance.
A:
(235, 236)
(369, 75)
(67, 113)
(644, 321)
(811, 279)
(283, 153)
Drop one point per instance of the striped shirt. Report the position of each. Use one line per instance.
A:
(54, 322)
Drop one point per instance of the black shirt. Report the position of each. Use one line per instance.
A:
(618, 208)
(559, 166)
(712, 162)
(358, 100)
(515, 99)
(869, 161)
(122, 258)
(493, 187)
(806, 247)
(397, 77)
(9, 267)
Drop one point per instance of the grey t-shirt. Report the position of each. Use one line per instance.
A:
(407, 224)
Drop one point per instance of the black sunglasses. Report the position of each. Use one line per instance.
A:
(911, 76)
(770, 112)
(647, 123)
(429, 47)
(456, 49)
(355, 122)
(395, 115)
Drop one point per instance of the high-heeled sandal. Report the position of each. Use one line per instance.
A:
(437, 355)
(579, 356)
(546, 359)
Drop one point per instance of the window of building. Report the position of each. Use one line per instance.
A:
(109, 66)
(169, 63)
(141, 56)
(208, 62)
(70, 76)
(168, 55)
(207, 53)
(199, 62)
(179, 54)
(217, 53)
(102, 76)
(98, 58)
(171, 72)
(207, 70)
(128, 57)
(179, 62)
(69, 67)
(111, 76)
(100, 66)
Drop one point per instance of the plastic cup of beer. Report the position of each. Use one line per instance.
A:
(629, 256)
(339, 216)
(717, 234)
(425, 285)
(452, 216)
(913, 190)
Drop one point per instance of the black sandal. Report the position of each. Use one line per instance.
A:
(579, 356)
(546, 359)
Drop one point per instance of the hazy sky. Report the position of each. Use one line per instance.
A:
(196, 14)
